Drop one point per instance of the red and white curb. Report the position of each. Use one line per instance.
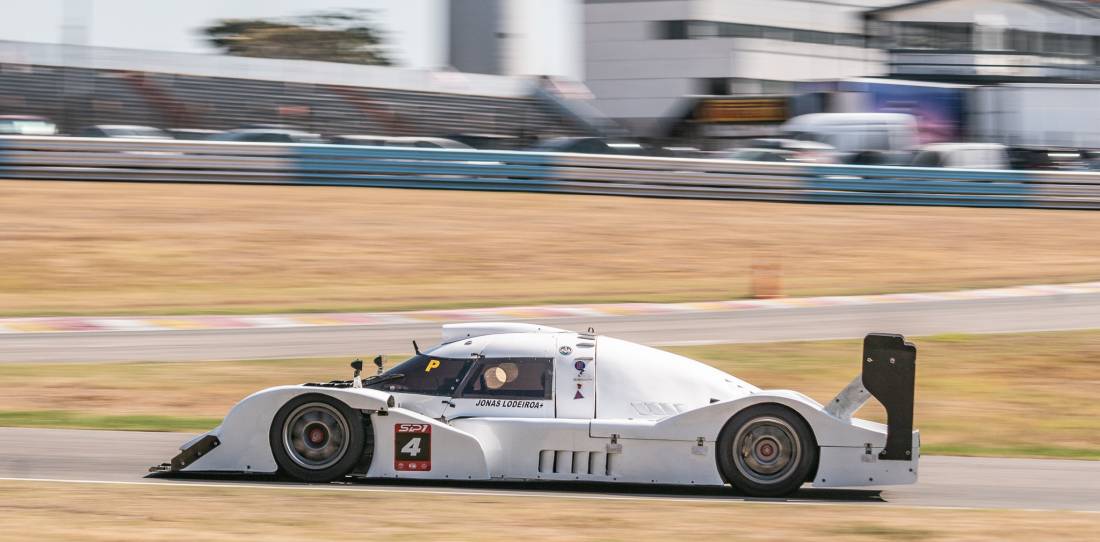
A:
(61, 324)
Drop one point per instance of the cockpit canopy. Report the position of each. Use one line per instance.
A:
(524, 361)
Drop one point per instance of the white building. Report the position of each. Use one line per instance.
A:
(515, 37)
(989, 41)
(643, 56)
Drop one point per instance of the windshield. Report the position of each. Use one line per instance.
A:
(426, 375)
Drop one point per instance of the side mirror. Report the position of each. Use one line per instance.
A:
(378, 363)
(358, 366)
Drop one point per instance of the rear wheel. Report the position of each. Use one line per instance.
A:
(316, 438)
(766, 451)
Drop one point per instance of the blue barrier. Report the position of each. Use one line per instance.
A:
(336, 165)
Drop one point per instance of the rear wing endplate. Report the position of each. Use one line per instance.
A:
(889, 375)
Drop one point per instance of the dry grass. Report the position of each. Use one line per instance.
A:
(133, 248)
(192, 389)
(1029, 395)
(53, 511)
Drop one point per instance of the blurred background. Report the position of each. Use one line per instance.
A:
(201, 198)
(899, 82)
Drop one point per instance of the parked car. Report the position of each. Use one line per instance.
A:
(684, 151)
(583, 145)
(192, 134)
(26, 125)
(759, 155)
(487, 141)
(123, 131)
(1057, 159)
(890, 136)
(426, 143)
(391, 141)
(793, 150)
(268, 135)
(600, 145)
(962, 156)
(359, 139)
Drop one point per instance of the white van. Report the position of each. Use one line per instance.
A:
(962, 156)
(855, 132)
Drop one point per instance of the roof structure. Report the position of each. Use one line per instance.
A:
(1088, 8)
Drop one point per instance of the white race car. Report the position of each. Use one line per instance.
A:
(515, 401)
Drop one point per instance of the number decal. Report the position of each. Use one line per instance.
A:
(412, 447)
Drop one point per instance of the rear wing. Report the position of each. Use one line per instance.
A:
(889, 375)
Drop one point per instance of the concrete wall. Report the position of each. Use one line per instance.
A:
(473, 44)
(638, 78)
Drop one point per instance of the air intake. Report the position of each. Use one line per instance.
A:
(567, 462)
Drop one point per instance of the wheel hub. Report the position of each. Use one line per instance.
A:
(766, 450)
(315, 436)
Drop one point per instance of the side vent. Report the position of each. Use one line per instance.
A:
(575, 462)
(563, 461)
(658, 409)
(546, 461)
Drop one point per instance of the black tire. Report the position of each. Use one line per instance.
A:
(766, 451)
(316, 438)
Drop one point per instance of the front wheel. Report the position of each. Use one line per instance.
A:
(766, 451)
(316, 438)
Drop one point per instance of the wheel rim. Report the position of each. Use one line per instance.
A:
(766, 450)
(315, 436)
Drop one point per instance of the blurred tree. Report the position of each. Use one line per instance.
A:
(335, 36)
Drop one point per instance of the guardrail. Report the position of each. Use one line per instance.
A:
(90, 159)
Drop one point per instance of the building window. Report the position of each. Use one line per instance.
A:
(742, 86)
(991, 38)
(714, 86)
(678, 30)
(672, 30)
(932, 36)
(702, 30)
(967, 37)
(734, 30)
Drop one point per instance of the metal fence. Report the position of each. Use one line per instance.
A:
(87, 159)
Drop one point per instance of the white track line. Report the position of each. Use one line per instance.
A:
(525, 494)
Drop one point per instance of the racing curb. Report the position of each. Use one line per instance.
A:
(61, 324)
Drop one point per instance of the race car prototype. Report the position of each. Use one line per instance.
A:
(516, 401)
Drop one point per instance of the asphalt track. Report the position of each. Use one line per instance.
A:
(992, 315)
(74, 456)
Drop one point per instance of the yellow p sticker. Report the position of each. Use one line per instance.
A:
(431, 365)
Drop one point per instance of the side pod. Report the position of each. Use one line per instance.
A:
(889, 375)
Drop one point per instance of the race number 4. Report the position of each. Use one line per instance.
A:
(412, 447)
